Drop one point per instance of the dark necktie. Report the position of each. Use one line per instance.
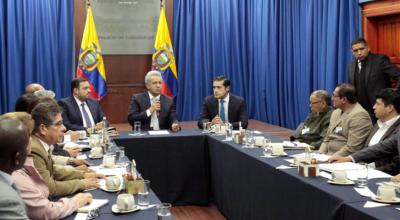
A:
(32, 172)
(222, 110)
(86, 116)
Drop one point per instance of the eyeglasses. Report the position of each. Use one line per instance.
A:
(57, 124)
(313, 103)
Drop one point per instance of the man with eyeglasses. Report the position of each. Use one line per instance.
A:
(47, 131)
(312, 131)
(349, 125)
(370, 73)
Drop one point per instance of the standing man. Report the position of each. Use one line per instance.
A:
(224, 107)
(80, 111)
(154, 110)
(349, 125)
(14, 139)
(313, 130)
(370, 73)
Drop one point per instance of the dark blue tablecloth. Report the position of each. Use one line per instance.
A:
(191, 168)
(107, 214)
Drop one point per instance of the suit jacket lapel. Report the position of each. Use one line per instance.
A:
(392, 129)
(230, 109)
(215, 106)
(77, 109)
(352, 71)
(367, 70)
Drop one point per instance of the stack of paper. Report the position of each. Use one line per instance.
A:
(96, 203)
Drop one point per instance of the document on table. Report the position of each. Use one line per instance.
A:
(318, 156)
(369, 204)
(160, 132)
(352, 169)
(118, 171)
(96, 203)
(365, 191)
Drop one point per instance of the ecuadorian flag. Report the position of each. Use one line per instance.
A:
(90, 63)
(164, 59)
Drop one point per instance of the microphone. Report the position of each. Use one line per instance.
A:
(157, 99)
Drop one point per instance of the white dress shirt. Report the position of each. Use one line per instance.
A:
(383, 127)
(154, 119)
(79, 102)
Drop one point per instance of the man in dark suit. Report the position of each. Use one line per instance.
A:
(80, 111)
(14, 140)
(387, 108)
(154, 110)
(223, 107)
(370, 73)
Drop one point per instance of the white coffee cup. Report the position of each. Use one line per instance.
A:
(386, 193)
(277, 149)
(339, 176)
(109, 160)
(125, 202)
(113, 182)
(96, 152)
(82, 134)
(259, 141)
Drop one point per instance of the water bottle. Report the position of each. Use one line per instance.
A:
(105, 131)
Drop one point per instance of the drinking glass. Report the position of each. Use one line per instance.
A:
(137, 128)
(249, 139)
(267, 149)
(206, 126)
(164, 211)
(143, 195)
(362, 175)
(228, 131)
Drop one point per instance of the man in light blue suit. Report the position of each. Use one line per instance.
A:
(14, 139)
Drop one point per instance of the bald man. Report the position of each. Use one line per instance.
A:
(33, 87)
(14, 139)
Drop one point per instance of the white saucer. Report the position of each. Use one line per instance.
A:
(284, 154)
(114, 208)
(377, 199)
(110, 190)
(348, 182)
(92, 157)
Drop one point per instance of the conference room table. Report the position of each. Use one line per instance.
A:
(105, 212)
(190, 167)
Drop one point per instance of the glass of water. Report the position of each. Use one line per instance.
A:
(164, 211)
(137, 128)
(143, 195)
(206, 126)
(250, 138)
(267, 149)
(362, 175)
(228, 131)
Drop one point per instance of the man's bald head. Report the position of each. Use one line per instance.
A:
(14, 139)
(33, 87)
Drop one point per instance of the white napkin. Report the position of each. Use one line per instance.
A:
(366, 192)
(82, 157)
(283, 167)
(370, 204)
(325, 174)
(81, 216)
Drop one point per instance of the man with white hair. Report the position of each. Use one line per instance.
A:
(154, 110)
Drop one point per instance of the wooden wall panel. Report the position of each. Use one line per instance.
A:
(125, 73)
(381, 27)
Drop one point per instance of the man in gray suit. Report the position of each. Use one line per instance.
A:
(387, 108)
(349, 125)
(14, 139)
